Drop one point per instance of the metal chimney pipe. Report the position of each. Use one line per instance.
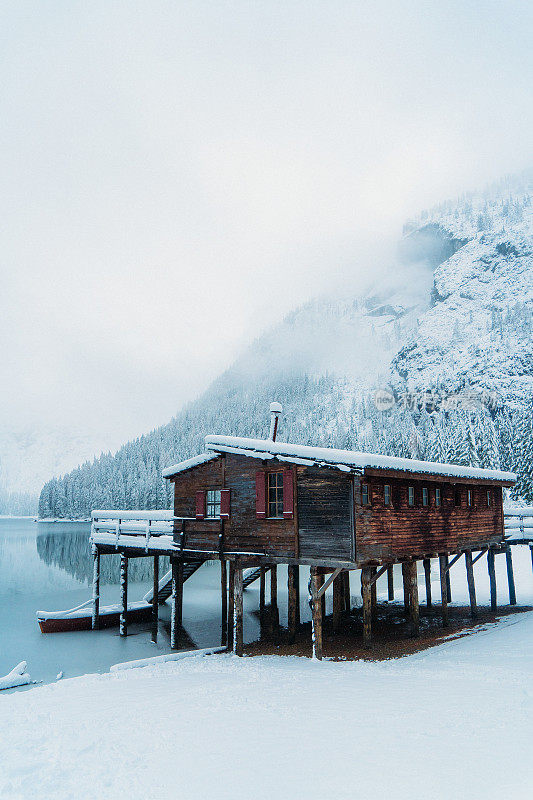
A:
(275, 411)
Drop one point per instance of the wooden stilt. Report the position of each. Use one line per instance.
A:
(405, 581)
(443, 558)
(510, 576)
(366, 576)
(374, 595)
(237, 612)
(338, 598)
(293, 601)
(262, 581)
(414, 612)
(347, 592)
(390, 581)
(95, 622)
(492, 580)
(315, 582)
(448, 582)
(274, 611)
(155, 600)
(124, 594)
(427, 581)
(224, 601)
(176, 610)
(297, 591)
(231, 604)
(471, 583)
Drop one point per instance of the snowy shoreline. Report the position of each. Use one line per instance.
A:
(251, 711)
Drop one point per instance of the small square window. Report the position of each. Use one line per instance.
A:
(212, 504)
(411, 495)
(425, 496)
(438, 496)
(386, 494)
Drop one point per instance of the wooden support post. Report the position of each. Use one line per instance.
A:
(237, 612)
(471, 583)
(347, 592)
(443, 558)
(224, 601)
(338, 598)
(293, 601)
(155, 600)
(366, 576)
(124, 594)
(390, 581)
(374, 595)
(95, 621)
(492, 580)
(405, 581)
(176, 609)
(231, 604)
(448, 581)
(315, 582)
(262, 581)
(274, 611)
(427, 581)
(414, 612)
(297, 590)
(510, 575)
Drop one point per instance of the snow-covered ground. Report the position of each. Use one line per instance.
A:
(451, 722)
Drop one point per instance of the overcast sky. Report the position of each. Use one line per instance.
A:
(177, 175)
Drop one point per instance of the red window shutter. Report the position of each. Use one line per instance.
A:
(288, 495)
(225, 496)
(200, 505)
(260, 494)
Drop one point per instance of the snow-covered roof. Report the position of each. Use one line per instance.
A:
(344, 460)
(188, 464)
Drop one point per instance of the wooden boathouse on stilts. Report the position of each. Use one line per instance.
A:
(253, 504)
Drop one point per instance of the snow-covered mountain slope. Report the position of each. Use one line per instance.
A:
(453, 310)
(478, 332)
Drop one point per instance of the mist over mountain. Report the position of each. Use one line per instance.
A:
(443, 333)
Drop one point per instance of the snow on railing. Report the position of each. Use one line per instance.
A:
(132, 523)
(518, 523)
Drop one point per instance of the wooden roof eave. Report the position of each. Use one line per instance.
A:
(376, 472)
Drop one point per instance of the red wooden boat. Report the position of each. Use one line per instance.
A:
(80, 618)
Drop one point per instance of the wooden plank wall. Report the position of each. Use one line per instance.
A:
(243, 531)
(401, 531)
(325, 513)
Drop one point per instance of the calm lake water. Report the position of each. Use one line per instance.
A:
(48, 566)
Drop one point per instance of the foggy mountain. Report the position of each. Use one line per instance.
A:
(451, 315)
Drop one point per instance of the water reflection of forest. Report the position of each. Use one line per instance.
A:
(72, 553)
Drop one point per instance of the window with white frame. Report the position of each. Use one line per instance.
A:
(386, 494)
(275, 495)
(212, 503)
(411, 495)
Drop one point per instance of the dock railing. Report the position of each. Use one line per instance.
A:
(132, 523)
(518, 524)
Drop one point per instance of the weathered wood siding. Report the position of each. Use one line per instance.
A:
(243, 531)
(325, 513)
(398, 531)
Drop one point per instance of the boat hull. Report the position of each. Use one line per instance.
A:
(84, 623)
